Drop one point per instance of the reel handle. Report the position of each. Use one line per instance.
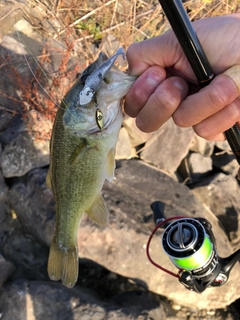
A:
(158, 211)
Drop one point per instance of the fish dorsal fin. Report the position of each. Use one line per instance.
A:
(110, 165)
(79, 151)
(99, 211)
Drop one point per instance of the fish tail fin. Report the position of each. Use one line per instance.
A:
(63, 264)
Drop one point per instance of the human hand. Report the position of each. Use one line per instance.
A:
(167, 87)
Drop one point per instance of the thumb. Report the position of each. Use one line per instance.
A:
(163, 51)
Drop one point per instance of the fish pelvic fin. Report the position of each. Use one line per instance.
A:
(99, 211)
(63, 264)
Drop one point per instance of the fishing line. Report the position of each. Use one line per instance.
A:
(134, 208)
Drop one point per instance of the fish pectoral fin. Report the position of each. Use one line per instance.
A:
(63, 264)
(99, 211)
(110, 165)
(48, 180)
(79, 151)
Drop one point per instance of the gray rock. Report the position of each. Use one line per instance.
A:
(7, 20)
(4, 203)
(198, 165)
(121, 246)
(6, 270)
(51, 301)
(221, 194)
(12, 127)
(128, 198)
(25, 27)
(202, 146)
(222, 145)
(227, 162)
(5, 119)
(137, 137)
(24, 154)
(34, 205)
(168, 146)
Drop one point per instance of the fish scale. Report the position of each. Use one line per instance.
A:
(81, 158)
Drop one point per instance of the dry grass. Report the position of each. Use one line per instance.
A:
(83, 27)
(87, 22)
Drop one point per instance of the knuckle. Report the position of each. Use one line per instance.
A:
(180, 118)
(139, 96)
(168, 100)
(234, 114)
(131, 50)
(203, 131)
(220, 95)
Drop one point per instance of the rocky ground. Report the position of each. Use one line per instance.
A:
(192, 177)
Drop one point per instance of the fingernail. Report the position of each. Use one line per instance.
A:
(153, 79)
(179, 83)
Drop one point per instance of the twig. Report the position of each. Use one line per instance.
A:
(116, 26)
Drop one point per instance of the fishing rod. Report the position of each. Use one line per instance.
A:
(191, 247)
(188, 40)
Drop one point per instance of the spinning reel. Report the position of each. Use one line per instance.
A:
(191, 247)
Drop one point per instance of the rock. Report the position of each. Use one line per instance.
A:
(5, 119)
(35, 300)
(4, 205)
(226, 162)
(15, 125)
(25, 27)
(222, 145)
(123, 147)
(129, 198)
(7, 20)
(137, 137)
(34, 205)
(168, 146)
(202, 146)
(24, 154)
(6, 270)
(199, 166)
(221, 194)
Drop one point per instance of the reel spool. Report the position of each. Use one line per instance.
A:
(189, 247)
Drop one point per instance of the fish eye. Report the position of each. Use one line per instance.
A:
(99, 119)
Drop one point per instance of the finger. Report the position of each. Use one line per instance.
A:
(213, 127)
(163, 51)
(161, 104)
(221, 92)
(142, 89)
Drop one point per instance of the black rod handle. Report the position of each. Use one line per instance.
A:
(186, 35)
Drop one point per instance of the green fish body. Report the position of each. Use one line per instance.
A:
(82, 152)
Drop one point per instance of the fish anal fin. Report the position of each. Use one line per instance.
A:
(110, 165)
(99, 211)
(63, 264)
(79, 151)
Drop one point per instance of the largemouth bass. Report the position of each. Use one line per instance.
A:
(82, 149)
